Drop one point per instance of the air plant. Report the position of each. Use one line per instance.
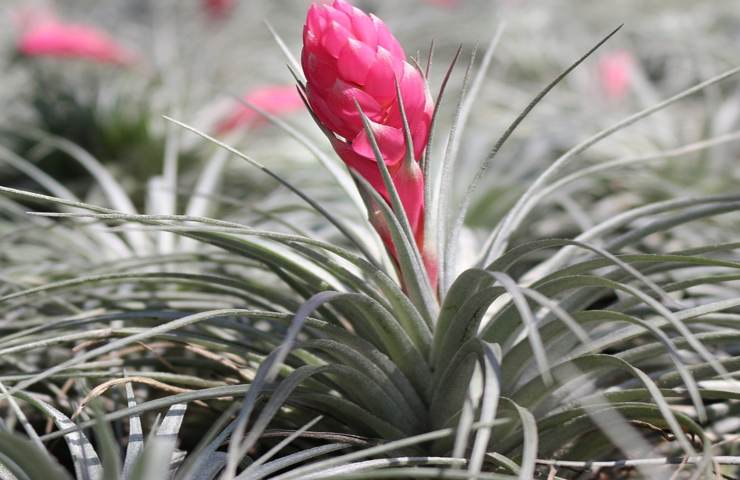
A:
(302, 354)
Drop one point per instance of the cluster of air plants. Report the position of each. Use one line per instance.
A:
(371, 333)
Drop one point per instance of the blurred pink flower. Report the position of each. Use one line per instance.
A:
(615, 73)
(43, 35)
(349, 56)
(218, 9)
(277, 100)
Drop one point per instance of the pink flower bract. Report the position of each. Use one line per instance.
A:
(277, 100)
(350, 58)
(52, 38)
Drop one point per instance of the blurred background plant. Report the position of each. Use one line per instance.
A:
(104, 297)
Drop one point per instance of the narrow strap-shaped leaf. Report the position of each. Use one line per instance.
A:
(518, 355)
(391, 446)
(204, 462)
(529, 440)
(308, 307)
(114, 191)
(703, 371)
(135, 444)
(249, 472)
(673, 221)
(302, 195)
(525, 314)
(452, 231)
(235, 453)
(164, 189)
(565, 283)
(399, 346)
(26, 461)
(27, 427)
(344, 180)
(465, 420)
(284, 48)
(632, 160)
(624, 266)
(464, 323)
(154, 461)
(424, 163)
(168, 433)
(400, 302)
(212, 466)
(430, 57)
(108, 446)
(375, 357)
(294, 458)
(535, 391)
(524, 205)
(408, 140)
(349, 413)
(117, 344)
(452, 384)
(86, 462)
(279, 397)
(348, 356)
(114, 243)
(157, 404)
(672, 319)
(370, 465)
(491, 366)
(200, 203)
(634, 462)
(439, 196)
(430, 227)
(172, 422)
(9, 470)
(599, 429)
(467, 301)
(625, 218)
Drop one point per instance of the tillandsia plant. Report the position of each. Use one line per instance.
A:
(276, 343)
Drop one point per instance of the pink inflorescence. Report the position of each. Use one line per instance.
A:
(274, 99)
(349, 56)
(46, 36)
